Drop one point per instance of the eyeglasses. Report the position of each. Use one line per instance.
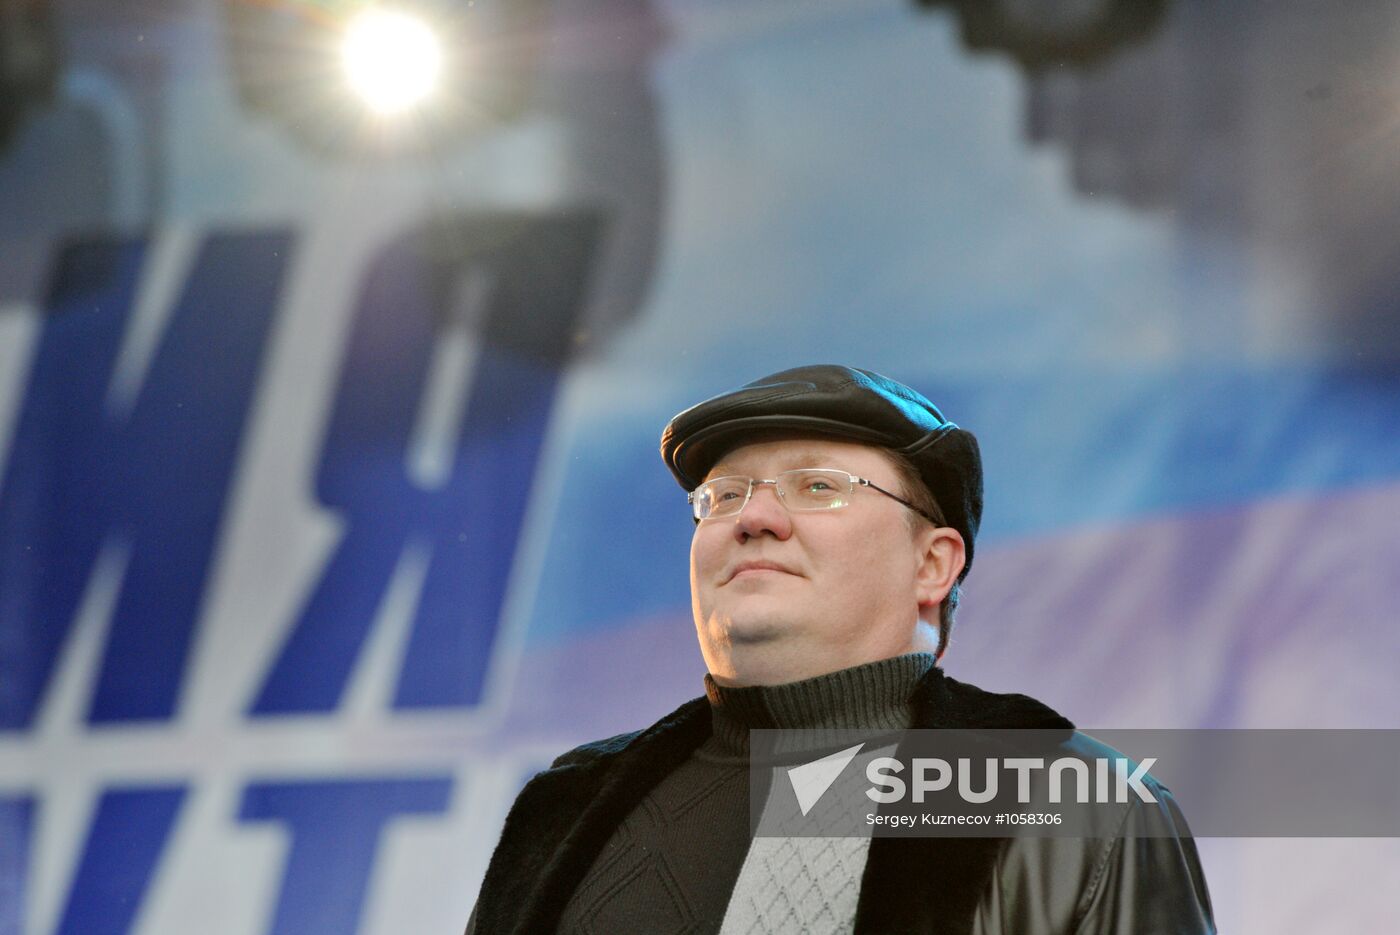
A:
(800, 491)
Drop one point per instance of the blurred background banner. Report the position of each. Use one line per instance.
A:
(336, 341)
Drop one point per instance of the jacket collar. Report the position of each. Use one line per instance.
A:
(934, 885)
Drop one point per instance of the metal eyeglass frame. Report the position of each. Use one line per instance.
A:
(855, 481)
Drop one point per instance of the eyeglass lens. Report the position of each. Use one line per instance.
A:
(803, 489)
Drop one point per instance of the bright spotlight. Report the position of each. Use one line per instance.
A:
(392, 59)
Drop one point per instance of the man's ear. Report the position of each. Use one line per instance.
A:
(942, 558)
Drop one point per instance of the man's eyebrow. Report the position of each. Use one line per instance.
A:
(800, 459)
(722, 469)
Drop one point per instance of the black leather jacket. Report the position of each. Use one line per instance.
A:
(1112, 883)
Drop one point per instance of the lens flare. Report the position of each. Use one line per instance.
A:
(392, 59)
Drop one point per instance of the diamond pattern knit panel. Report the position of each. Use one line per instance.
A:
(797, 886)
(800, 885)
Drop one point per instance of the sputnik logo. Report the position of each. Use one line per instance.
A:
(811, 780)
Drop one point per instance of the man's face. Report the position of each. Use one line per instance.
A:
(782, 596)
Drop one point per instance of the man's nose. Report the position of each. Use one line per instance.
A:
(764, 513)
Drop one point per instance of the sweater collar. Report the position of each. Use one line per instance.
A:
(873, 696)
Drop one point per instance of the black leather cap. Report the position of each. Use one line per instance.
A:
(842, 403)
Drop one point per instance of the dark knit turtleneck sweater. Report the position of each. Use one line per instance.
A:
(670, 867)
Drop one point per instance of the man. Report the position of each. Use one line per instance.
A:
(836, 512)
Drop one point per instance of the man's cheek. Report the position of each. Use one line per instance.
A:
(707, 559)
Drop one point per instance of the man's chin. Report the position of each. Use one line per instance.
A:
(758, 634)
(749, 631)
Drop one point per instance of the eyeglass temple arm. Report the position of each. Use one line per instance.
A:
(874, 486)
